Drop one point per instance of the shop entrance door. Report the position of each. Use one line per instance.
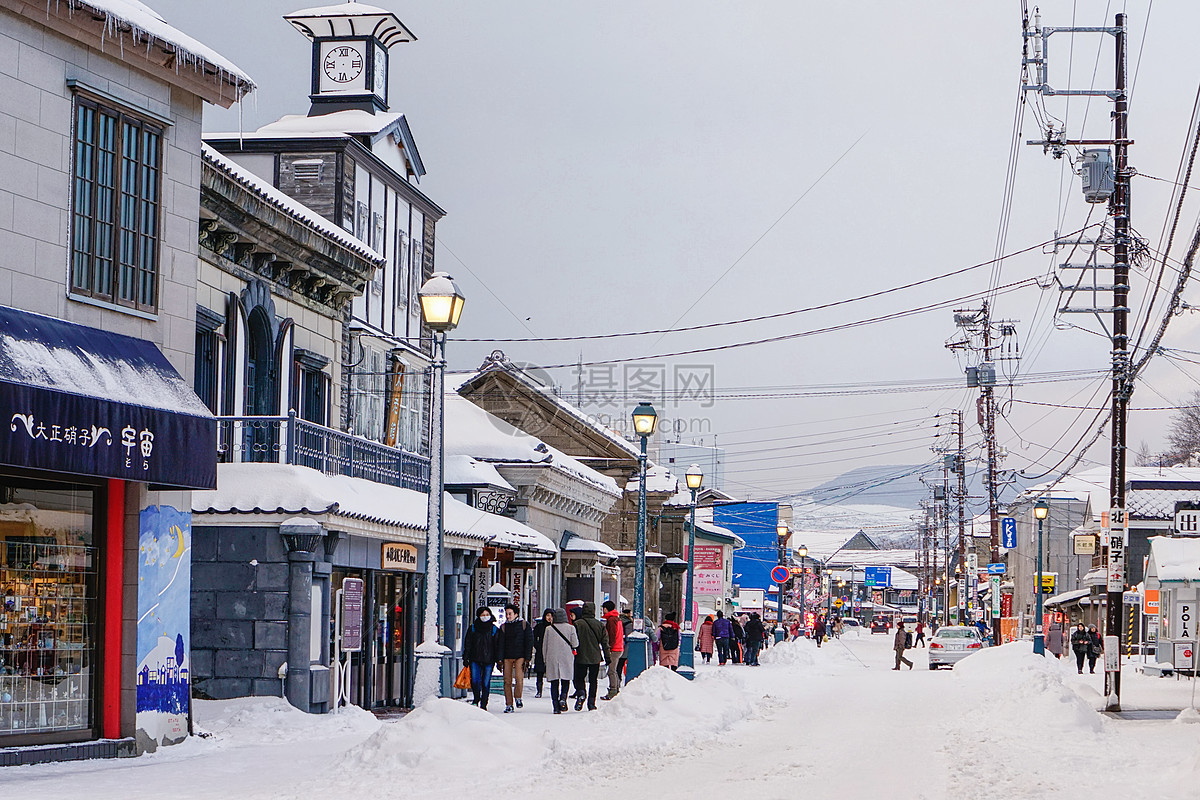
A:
(397, 621)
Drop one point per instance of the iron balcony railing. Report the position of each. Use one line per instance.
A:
(291, 440)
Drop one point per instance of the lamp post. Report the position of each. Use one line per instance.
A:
(687, 658)
(783, 533)
(441, 307)
(637, 644)
(802, 553)
(1040, 512)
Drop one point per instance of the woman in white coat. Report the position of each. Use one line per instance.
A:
(558, 647)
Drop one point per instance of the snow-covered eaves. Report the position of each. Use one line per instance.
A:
(291, 490)
(1062, 598)
(472, 431)
(132, 26)
(466, 471)
(288, 205)
(712, 531)
(659, 480)
(351, 19)
(574, 543)
(349, 122)
(1173, 561)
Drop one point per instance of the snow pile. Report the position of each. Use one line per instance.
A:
(1023, 690)
(1188, 715)
(439, 738)
(265, 720)
(791, 654)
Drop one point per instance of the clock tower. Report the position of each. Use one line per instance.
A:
(350, 54)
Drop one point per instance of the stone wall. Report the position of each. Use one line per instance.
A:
(239, 611)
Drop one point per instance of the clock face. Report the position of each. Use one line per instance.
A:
(343, 64)
(381, 73)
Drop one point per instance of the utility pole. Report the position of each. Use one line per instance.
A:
(960, 466)
(989, 435)
(1103, 182)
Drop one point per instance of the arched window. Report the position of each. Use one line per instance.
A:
(261, 392)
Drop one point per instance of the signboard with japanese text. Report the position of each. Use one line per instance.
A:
(352, 614)
(995, 587)
(399, 556)
(710, 557)
(1116, 560)
(708, 582)
(1008, 533)
(1150, 602)
(1185, 655)
(1084, 544)
(877, 576)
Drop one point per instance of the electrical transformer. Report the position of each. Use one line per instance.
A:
(1096, 169)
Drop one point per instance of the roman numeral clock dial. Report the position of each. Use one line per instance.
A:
(343, 64)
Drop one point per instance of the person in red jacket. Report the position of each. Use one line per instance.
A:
(616, 646)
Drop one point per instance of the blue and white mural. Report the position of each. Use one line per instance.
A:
(164, 624)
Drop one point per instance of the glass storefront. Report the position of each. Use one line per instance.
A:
(48, 624)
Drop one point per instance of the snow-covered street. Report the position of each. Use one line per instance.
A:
(1002, 724)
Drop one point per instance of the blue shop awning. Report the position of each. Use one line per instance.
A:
(89, 402)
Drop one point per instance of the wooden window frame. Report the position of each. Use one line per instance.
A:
(124, 270)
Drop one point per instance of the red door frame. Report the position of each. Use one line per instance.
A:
(113, 608)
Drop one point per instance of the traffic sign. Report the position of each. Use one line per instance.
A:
(780, 574)
(1008, 532)
(996, 569)
(877, 576)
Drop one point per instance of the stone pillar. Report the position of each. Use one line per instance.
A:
(301, 536)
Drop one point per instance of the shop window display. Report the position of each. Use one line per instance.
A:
(48, 585)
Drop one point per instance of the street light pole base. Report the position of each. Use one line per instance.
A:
(427, 682)
(687, 655)
(1039, 645)
(637, 649)
(780, 634)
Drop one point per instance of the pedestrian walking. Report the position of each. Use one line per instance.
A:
(837, 627)
(722, 631)
(819, 630)
(626, 629)
(1095, 647)
(706, 639)
(737, 642)
(479, 653)
(1079, 645)
(668, 642)
(514, 644)
(615, 632)
(558, 648)
(920, 639)
(590, 653)
(902, 642)
(539, 657)
(754, 631)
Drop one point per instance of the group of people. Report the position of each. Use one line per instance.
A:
(566, 648)
(1086, 643)
(737, 638)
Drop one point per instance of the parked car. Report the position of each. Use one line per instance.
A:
(880, 624)
(850, 623)
(953, 643)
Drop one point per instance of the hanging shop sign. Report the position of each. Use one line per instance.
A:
(399, 556)
(1085, 544)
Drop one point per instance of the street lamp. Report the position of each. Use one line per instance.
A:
(1040, 512)
(802, 553)
(637, 649)
(441, 307)
(782, 531)
(687, 659)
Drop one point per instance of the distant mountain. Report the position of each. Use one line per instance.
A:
(895, 485)
(899, 485)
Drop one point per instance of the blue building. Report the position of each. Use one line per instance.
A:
(756, 524)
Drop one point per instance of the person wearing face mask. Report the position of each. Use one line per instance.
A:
(479, 653)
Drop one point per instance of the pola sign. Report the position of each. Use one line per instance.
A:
(1184, 620)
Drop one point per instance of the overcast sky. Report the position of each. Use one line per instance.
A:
(620, 167)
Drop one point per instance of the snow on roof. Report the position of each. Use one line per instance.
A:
(1093, 484)
(289, 489)
(287, 204)
(1174, 560)
(146, 25)
(875, 558)
(346, 19)
(472, 431)
(466, 471)
(1063, 598)
(350, 122)
(705, 526)
(500, 362)
(579, 544)
(659, 479)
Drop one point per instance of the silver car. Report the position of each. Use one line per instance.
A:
(953, 643)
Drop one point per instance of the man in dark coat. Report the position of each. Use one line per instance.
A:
(591, 653)
(722, 632)
(754, 639)
(514, 645)
(900, 644)
(479, 653)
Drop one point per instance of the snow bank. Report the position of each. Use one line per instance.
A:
(1024, 690)
(801, 653)
(266, 720)
(440, 737)
(832, 656)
